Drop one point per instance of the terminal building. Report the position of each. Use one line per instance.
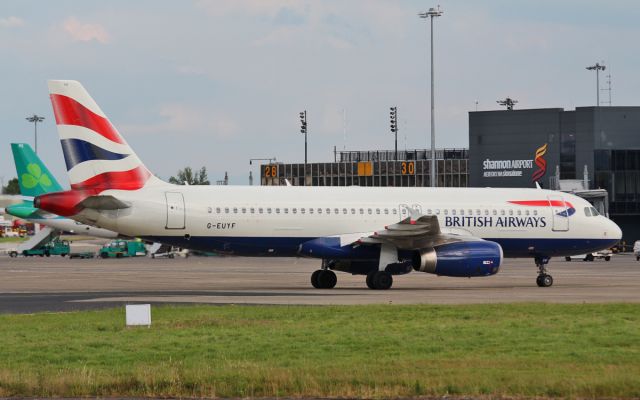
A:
(406, 168)
(592, 151)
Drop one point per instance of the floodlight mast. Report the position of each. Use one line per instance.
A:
(433, 12)
(35, 119)
(597, 67)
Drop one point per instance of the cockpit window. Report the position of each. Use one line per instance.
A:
(594, 211)
(587, 211)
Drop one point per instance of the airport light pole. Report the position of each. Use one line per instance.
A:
(597, 67)
(303, 129)
(393, 114)
(35, 119)
(433, 12)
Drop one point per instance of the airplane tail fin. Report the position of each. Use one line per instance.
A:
(34, 177)
(97, 157)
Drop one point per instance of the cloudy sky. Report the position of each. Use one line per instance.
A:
(214, 83)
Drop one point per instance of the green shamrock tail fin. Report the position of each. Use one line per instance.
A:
(33, 176)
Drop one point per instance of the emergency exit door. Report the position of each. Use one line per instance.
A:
(175, 210)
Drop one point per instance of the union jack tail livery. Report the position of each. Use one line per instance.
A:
(97, 157)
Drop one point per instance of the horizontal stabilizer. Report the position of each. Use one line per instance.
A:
(107, 202)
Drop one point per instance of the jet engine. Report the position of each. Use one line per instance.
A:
(460, 259)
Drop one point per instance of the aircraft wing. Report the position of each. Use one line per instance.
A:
(414, 232)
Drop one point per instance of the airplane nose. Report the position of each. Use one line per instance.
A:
(615, 231)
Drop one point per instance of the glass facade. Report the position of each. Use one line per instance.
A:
(618, 171)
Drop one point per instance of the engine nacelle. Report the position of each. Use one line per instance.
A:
(461, 259)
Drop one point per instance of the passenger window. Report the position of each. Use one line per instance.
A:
(218, 210)
(226, 210)
(361, 211)
(502, 212)
(260, 210)
(336, 211)
(446, 212)
(377, 211)
(453, 212)
(286, 211)
(519, 212)
(535, 212)
(244, 210)
(353, 211)
(319, 210)
(253, 210)
(510, 212)
(302, 210)
(494, 212)
(268, 210)
(437, 212)
(369, 211)
(235, 210)
(486, 212)
(344, 210)
(209, 210)
(328, 210)
(462, 212)
(526, 212)
(587, 211)
(386, 211)
(429, 212)
(310, 210)
(294, 210)
(277, 211)
(394, 211)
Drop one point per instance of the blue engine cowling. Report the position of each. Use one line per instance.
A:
(462, 259)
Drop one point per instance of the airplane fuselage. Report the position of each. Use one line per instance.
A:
(274, 221)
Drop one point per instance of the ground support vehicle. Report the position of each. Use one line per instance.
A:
(599, 255)
(52, 248)
(123, 248)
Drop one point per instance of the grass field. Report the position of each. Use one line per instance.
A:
(527, 350)
(12, 239)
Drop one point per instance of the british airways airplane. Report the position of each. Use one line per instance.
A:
(376, 232)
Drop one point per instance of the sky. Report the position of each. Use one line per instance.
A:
(215, 83)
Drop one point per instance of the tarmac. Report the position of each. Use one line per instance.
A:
(36, 284)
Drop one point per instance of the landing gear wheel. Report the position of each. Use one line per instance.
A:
(379, 280)
(370, 276)
(607, 258)
(324, 279)
(567, 258)
(543, 279)
(314, 278)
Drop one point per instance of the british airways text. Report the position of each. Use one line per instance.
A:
(497, 222)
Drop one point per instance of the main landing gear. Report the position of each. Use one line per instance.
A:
(543, 279)
(379, 280)
(324, 279)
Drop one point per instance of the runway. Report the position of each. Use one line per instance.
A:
(30, 285)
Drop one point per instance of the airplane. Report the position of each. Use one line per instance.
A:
(34, 178)
(378, 232)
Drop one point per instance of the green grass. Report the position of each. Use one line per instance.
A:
(12, 239)
(530, 350)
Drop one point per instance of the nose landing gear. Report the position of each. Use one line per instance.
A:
(543, 279)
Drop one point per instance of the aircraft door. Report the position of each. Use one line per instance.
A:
(560, 213)
(175, 210)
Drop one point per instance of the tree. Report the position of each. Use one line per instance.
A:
(12, 187)
(186, 176)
